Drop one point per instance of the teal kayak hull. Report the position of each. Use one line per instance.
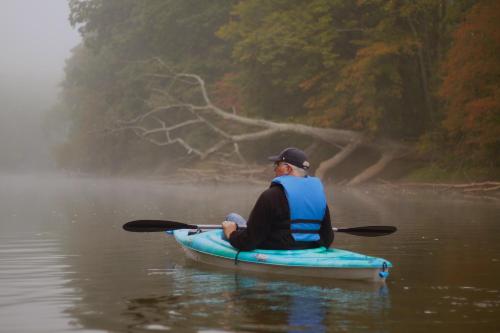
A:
(210, 247)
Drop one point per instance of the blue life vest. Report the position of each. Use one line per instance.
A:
(307, 204)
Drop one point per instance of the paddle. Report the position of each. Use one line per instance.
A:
(159, 225)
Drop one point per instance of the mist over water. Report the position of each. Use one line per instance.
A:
(66, 263)
(36, 39)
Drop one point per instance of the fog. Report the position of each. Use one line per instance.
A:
(35, 39)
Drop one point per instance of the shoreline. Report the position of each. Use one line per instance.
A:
(489, 190)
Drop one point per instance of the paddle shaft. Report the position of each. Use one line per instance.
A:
(159, 225)
(218, 226)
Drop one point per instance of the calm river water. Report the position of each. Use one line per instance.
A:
(66, 264)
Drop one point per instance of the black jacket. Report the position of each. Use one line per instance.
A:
(268, 226)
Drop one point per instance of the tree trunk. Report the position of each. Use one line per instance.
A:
(374, 169)
(423, 73)
(336, 159)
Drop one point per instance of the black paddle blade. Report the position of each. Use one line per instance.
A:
(370, 231)
(155, 225)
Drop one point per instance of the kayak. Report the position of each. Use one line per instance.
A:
(210, 247)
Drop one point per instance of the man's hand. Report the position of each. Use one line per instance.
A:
(228, 227)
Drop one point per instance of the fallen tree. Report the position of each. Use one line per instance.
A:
(177, 91)
(479, 187)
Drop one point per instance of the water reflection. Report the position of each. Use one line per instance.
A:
(66, 264)
(210, 300)
(31, 272)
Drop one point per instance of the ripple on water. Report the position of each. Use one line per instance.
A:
(157, 327)
(33, 284)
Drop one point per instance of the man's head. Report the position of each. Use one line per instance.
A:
(290, 161)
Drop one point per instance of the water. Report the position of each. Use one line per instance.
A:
(66, 264)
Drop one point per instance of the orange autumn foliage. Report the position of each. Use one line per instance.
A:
(354, 101)
(471, 84)
(227, 93)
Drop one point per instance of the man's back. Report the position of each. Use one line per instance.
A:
(268, 226)
(291, 214)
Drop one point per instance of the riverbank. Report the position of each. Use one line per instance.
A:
(475, 190)
(487, 190)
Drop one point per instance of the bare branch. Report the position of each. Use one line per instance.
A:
(348, 140)
(374, 169)
(214, 148)
(336, 159)
(254, 136)
(238, 153)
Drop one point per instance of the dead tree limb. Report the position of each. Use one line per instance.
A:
(374, 169)
(487, 186)
(197, 113)
(336, 159)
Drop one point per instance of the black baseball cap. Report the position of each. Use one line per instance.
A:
(293, 156)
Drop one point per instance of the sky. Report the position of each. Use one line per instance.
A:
(35, 40)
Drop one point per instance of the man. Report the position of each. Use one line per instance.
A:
(291, 214)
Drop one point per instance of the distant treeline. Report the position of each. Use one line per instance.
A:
(423, 72)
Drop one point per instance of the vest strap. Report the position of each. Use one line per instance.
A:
(311, 237)
(305, 221)
(314, 232)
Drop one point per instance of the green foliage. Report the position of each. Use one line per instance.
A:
(381, 67)
(279, 44)
(181, 31)
(362, 65)
(108, 78)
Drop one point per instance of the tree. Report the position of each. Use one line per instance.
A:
(279, 44)
(105, 77)
(188, 110)
(471, 87)
(181, 31)
(359, 65)
(350, 74)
